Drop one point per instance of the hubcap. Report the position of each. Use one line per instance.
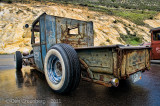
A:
(58, 68)
(54, 69)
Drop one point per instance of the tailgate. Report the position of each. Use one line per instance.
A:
(133, 59)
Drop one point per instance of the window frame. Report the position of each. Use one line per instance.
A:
(35, 28)
(154, 36)
(73, 29)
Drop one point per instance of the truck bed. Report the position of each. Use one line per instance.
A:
(113, 61)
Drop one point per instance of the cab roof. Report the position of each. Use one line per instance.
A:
(155, 29)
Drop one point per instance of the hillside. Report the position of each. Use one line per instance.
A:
(108, 29)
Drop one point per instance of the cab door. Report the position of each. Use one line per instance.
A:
(155, 44)
(43, 37)
(35, 40)
(47, 29)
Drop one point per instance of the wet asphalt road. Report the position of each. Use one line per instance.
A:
(29, 87)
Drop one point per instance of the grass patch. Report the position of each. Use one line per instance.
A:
(130, 39)
(136, 16)
(101, 9)
(108, 40)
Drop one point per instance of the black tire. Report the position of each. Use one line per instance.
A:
(18, 58)
(72, 54)
(62, 68)
(19, 79)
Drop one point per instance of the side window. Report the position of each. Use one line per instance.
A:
(36, 32)
(73, 31)
(156, 36)
(37, 37)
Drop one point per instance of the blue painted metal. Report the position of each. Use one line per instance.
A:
(42, 37)
(50, 31)
(37, 57)
(52, 70)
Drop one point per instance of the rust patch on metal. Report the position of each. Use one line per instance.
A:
(107, 84)
(115, 67)
(87, 68)
(82, 32)
(101, 77)
(133, 61)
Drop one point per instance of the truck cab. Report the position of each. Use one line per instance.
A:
(155, 43)
(49, 30)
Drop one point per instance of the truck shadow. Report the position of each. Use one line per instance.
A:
(28, 78)
(129, 92)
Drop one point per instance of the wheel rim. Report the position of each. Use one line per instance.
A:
(54, 69)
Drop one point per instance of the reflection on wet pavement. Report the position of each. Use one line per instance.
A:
(30, 87)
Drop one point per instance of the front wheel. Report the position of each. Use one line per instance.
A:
(62, 68)
(18, 59)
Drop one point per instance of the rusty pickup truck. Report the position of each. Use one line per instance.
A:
(63, 49)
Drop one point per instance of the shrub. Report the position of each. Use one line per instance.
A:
(108, 40)
(9, 1)
(131, 39)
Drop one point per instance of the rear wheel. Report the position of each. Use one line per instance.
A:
(62, 68)
(18, 59)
